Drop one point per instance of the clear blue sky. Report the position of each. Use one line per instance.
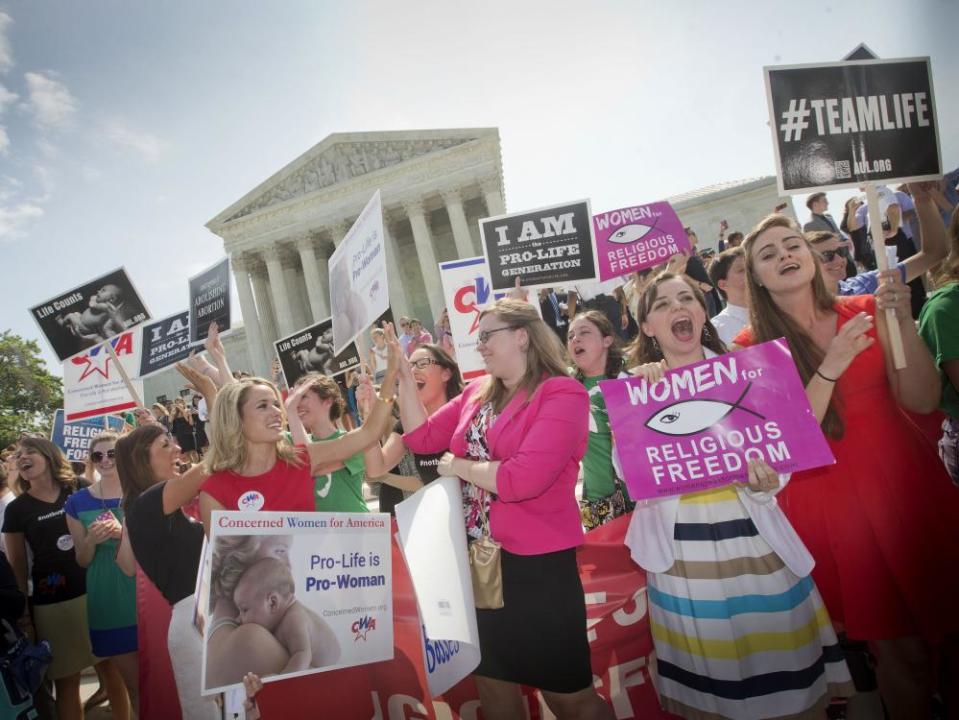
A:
(126, 126)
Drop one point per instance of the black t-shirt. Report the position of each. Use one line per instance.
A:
(167, 547)
(56, 575)
(425, 464)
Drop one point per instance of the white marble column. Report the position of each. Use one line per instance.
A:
(399, 301)
(461, 229)
(254, 336)
(264, 306)
(338, 231)
(315, 282)
(493, 198)
(278, 291)
(296, 289)
(423, 239)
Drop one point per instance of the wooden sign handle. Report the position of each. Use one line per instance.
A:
(123, 374)
(882, 262)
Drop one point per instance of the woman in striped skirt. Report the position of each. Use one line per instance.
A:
(739, 627)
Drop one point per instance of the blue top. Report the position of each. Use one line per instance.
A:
(865, 283)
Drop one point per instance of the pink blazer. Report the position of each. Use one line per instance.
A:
(539, 442)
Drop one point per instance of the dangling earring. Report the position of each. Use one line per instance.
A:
(707, 336)
(656, 345)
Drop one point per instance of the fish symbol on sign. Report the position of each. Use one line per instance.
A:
(631, 233)
(689, 417)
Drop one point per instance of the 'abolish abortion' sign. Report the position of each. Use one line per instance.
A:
(699, 426)
(851, 123)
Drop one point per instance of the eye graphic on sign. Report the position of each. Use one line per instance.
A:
(689, 417)
(631, 233)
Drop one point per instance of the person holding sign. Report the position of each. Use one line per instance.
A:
(516, 439)
(593, 346)
(707, 552)
(880, 540)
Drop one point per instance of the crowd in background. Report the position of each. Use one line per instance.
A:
(853, 553)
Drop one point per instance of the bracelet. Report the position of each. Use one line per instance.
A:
(831, 380)
(385, 401)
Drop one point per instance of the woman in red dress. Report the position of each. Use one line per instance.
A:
(882, 522)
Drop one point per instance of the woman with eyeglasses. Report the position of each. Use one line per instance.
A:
(515, 438)
(94, 518)
(881, 522)
(36, 521)
(834, 256)
(434, 378)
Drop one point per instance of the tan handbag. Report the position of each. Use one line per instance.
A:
(485, 569)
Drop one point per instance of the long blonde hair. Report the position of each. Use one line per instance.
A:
(227, 449)
(769, 322)
(544, 353)
(949, 270)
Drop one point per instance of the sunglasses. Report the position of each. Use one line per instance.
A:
(830, 255)
(98, 456)
(423, 363)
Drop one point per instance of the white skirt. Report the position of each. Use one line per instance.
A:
(186, 654)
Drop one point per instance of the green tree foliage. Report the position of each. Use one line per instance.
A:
(29, 394)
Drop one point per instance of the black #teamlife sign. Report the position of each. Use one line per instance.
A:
(165, 342)
(210, 300)
(845, 124)
(545, 247)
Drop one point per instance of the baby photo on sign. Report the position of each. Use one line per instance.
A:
(291, 594)
(90, 314)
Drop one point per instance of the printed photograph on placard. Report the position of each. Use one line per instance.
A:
(307, 592)
(90, 313)
(210, 301)
(311, 350)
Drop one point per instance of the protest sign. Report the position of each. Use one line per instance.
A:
(434, 545)
(311, 350)
(359, 292)
(618, 631)
(93, 383)
(210, 301)
(164, 343)
(635, 238)
(544, 247)
(698, 427)
(853, 123)
(89, 314)
(74, 437)
(320, 583)
(467, 290)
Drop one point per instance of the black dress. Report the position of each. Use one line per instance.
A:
(183, 432)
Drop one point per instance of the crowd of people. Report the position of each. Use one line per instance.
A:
(757, 591)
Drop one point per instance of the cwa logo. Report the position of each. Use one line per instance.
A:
(472, 297)
(251, 500)
(98, 359)
(362, 626)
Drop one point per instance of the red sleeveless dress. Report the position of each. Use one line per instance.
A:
(883, 522)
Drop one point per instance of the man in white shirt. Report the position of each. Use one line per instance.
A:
(728, 274)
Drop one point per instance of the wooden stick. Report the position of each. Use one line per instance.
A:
(123, 374)
(882, 262)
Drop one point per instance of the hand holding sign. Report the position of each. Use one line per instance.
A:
(893, 294)
(761, 478)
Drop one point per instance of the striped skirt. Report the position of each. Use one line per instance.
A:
(737, 634)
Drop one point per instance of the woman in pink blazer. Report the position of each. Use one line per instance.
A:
(515, 438)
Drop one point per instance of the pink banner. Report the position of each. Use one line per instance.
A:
(635, 238)
(698, 426)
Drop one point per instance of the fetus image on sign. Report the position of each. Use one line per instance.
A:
(631, 233)
(689, 417)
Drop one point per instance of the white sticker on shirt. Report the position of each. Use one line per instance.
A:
(251, 500)
(65, 542)
(325, 490)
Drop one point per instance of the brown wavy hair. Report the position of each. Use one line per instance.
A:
(769, 322)
(133, 463)
(454, 386)
(949, 271)
(544, 354)
(325, 388)
(614, 353)
(60, 469)
(643, 349)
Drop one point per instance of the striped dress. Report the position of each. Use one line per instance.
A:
(737, 634)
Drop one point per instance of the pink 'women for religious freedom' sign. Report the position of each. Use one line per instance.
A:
(635, 238)
(698, 427)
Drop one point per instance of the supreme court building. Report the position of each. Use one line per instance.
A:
(435, 185)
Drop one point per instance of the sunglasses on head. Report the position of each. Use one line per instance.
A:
(98, 456)
(830, 255)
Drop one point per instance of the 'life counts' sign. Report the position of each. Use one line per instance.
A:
(845, 124)
(548, 247)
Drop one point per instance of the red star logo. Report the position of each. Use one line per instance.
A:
(93, 365)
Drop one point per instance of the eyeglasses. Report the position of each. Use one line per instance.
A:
(829, 255)
(98, 456)
(484, 336)
(423, 363)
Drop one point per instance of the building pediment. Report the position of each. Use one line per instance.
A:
(342, 157)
